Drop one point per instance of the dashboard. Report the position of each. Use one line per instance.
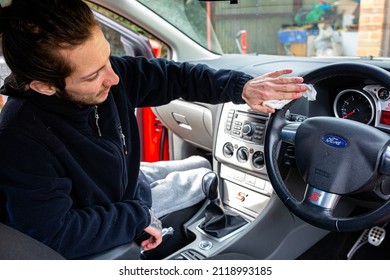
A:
(238, 133)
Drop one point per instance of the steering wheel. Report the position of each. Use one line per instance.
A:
(335, 157)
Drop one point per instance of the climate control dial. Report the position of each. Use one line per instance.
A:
(228, 150)
(258, 159)
(242, 154)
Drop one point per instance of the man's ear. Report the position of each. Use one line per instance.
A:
(43, 88)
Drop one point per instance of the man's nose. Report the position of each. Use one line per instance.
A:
(111, 80)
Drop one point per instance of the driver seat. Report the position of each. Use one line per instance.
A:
(15, 245)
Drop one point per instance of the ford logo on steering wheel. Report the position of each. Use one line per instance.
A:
(334, 141)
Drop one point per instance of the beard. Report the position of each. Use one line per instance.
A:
(80, 102)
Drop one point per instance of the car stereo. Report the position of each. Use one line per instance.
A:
(240, 138)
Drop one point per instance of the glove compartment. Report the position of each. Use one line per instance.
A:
(193, 122)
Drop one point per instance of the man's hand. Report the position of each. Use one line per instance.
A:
(155, 231)
(154, 240)
(272, 87)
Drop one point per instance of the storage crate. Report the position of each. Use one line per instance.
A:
(292, 36)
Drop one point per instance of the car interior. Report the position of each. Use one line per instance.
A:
(307, 182)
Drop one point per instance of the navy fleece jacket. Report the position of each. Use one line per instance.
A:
(66, 178)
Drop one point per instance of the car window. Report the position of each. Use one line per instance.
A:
(314, 28)
(191, 17)
(114, 38)
(126, 38)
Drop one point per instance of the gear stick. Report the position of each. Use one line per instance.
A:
(217, 222)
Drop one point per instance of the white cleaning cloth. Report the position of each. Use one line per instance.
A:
(310, 94)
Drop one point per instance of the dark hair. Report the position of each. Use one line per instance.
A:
(32, 33)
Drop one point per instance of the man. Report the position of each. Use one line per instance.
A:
(70, 163)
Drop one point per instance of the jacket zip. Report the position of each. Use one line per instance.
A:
(122, 136)
(97, 120)
(123, 140)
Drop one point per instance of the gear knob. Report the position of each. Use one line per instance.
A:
(210, 185)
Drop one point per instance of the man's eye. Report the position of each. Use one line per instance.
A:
(93, 77)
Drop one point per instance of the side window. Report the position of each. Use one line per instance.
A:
(114, 38)
(127, 38)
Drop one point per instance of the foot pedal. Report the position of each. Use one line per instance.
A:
(376, 235)
(373, 236)
(363, 239)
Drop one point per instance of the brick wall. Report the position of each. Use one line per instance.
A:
(371, 23)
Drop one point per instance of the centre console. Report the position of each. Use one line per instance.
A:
(244, 186)
(239, 150)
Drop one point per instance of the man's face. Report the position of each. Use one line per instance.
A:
(92, 76)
